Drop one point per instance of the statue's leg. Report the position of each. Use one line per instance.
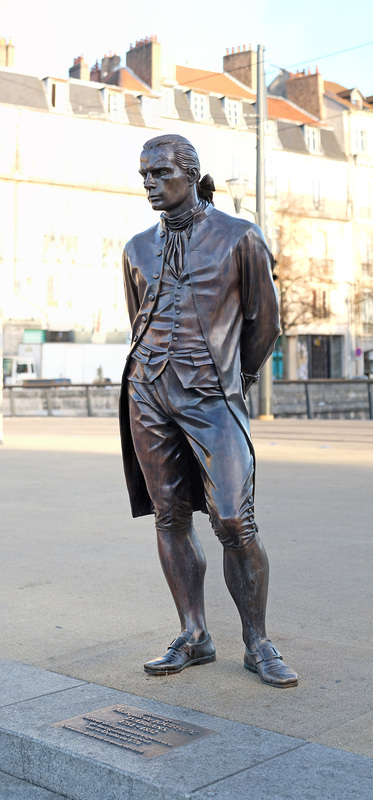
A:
(184, 566)
(246, 575)
(160, 448)
(246, 572)
(227, 469)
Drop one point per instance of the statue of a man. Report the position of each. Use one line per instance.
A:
(204, 314)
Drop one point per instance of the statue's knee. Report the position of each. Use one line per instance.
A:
(173, 519)
(235, 533)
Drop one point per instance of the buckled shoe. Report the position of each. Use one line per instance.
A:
(268, 664)
(181, 654)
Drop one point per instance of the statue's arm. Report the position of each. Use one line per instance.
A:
(259, 303)
(130, 288)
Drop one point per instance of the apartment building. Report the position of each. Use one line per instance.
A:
(71, 196)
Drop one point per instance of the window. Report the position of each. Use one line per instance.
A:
(364, 194)
(57, 94)
(115, 106)
(359, 141)
(312, 136)
(367, 312)
(61, 248)
(366, 258)
(111, 253)
(167, 102)
(150, 110)
(232, 109)
(51, 290)
(320, 304)
(317, 194)
(356, 98)
(7, 367)
(199, 106)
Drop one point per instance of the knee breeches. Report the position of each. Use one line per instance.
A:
(166, 420)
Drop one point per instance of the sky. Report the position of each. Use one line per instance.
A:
(337, 37)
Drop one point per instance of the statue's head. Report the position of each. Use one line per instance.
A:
(169, 165)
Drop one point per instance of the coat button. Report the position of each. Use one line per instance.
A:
(159, 252)
(144, 318)
(155, 275)
(162, 234)
(152, 297)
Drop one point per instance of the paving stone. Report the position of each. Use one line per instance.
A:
(22, 682)
(87, 769)
(311, 772)
(15, 789)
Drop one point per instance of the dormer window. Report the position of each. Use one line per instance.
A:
(198, 104)
(57, 94)
(233, 111)
(312, 137)
(168, 102)
(113, 104)
(150, 110)
(356, 98)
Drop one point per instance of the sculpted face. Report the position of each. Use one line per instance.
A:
(168, 188)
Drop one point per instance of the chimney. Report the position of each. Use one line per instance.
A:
(79, 70)
(95, 74)
(6, 53)
(145, 61)
(242, 65)
(109, 64)
(307, 91)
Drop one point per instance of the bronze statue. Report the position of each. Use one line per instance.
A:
(204, 313)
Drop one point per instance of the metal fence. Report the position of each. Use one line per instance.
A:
(328, 399)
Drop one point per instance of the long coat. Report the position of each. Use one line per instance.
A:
(230, 271)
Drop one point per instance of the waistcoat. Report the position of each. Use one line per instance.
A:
(174, 335)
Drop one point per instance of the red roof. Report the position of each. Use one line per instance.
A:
(201, 80)
(279, 108)
(126, 80)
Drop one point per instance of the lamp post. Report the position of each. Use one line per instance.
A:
(266, 378)
(237, 190)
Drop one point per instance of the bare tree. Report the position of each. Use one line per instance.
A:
(303, 282)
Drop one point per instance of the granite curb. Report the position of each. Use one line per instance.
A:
(235, 760)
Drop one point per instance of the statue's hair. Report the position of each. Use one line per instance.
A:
(185, 155)
(186, 158)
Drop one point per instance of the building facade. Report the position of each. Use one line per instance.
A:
(71, 196)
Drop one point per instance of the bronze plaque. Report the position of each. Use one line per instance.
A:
(134, 730)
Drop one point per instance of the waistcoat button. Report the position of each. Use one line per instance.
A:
(135, 338)
(144, 318)
(171, 352)
(152, 297)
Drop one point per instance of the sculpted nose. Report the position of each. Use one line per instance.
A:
(149, 180)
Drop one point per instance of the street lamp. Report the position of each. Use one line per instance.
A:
(237, 190)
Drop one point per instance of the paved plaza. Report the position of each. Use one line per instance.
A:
(84, 603)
